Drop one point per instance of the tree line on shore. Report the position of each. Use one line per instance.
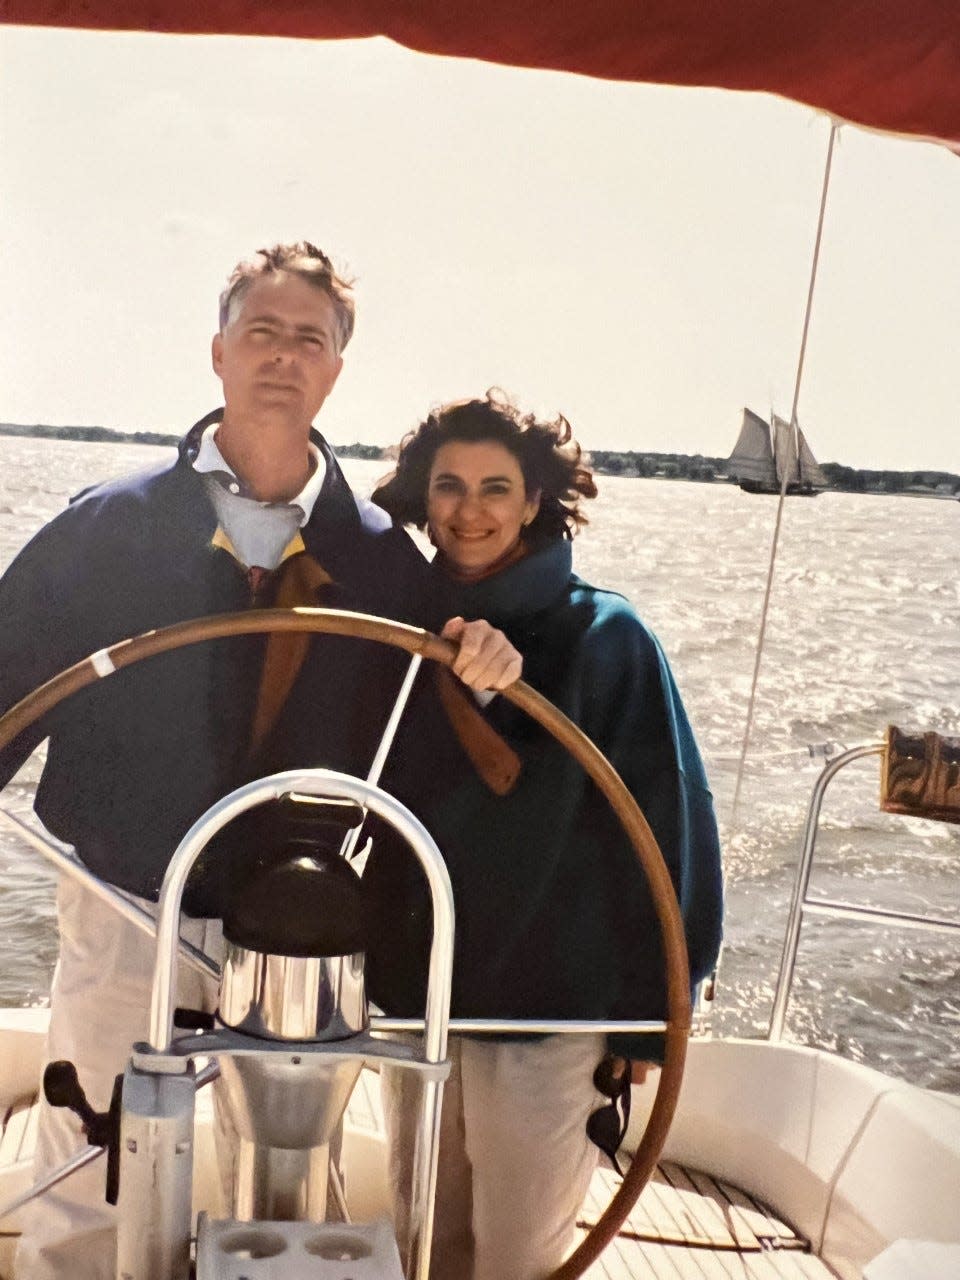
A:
(665, 466)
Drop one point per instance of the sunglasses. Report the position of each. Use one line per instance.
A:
(607, 1126)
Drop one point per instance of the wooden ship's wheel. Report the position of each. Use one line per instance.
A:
(416, 641)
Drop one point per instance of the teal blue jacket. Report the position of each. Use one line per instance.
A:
(554, 917)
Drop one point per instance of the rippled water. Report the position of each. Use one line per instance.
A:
(863, 632)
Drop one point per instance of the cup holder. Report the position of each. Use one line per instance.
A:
(252, 1243)
(338, 1247)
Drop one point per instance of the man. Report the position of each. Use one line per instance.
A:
(254, 511)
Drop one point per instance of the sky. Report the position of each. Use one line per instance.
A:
(635, 257)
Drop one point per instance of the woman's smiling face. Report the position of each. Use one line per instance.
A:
(477, 504)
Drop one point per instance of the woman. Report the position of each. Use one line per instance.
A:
(554, 918)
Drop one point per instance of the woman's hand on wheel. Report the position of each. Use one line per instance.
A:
(486, 658)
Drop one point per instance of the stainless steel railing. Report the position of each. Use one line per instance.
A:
(802, 904)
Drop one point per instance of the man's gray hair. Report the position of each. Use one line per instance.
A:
(302, 259)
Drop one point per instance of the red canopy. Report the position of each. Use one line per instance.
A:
(888, 64)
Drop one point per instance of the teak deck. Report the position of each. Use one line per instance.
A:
(688, 1226)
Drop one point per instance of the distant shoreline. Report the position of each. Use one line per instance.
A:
(654, 466)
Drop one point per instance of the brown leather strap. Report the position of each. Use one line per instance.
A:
(494, 760)
(295, 582)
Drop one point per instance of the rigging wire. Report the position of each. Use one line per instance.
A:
(774, 547)
(708, 989)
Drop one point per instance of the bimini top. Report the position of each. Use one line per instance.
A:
(892, 65)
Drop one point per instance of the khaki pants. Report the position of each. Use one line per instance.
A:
(515, 1162)
(100, 1005)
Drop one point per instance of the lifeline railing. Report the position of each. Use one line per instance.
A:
(802, 904)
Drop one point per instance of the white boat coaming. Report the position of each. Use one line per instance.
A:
(852, 1159)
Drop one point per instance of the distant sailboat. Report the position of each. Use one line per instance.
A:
(764, 453)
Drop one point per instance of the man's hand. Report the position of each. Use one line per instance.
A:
(487, 659)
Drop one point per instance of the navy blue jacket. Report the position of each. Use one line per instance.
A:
(136, 758)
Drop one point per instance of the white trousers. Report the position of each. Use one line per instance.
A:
(99, 1006)
(515, 1162)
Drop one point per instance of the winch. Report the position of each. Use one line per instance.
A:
(290, 1038)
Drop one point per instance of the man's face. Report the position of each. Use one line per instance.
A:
(277, 356)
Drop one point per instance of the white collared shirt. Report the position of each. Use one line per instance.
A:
(257, 533)
(210, 461)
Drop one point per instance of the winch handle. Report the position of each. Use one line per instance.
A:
(417, 641)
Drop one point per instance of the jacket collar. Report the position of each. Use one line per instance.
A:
(335, 504)
(536, 582)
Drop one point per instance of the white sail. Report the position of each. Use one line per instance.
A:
(752, 457)
(810, 472)
(801, 467)
(785, 451)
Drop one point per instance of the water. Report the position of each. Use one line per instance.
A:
(863, 632)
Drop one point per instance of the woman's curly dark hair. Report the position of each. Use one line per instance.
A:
(549, 457)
